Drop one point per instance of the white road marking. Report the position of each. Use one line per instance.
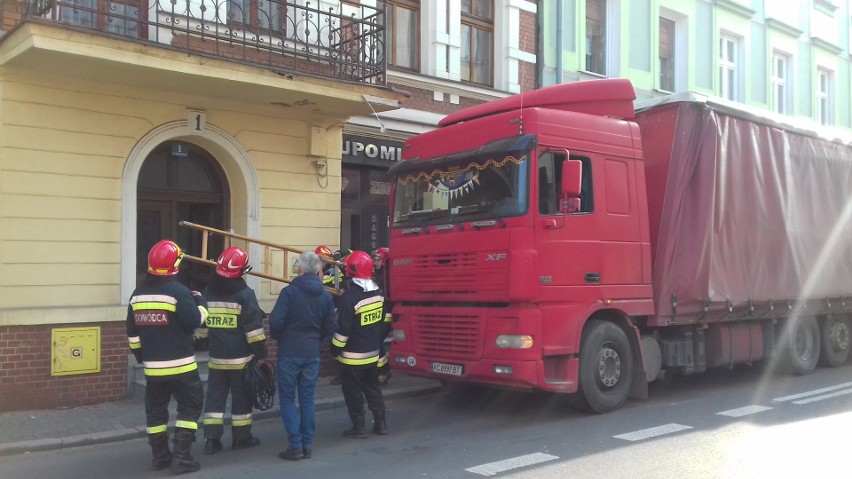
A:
(812, 393)
(652, 432)
(824, 396)
(493, 468)
(743, 411)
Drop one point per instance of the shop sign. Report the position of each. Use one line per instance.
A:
(363, 147)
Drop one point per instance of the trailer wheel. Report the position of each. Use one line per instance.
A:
(606, 369)
(835, 341)
(801, 343)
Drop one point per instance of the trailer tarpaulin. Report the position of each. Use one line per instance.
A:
(756, 216)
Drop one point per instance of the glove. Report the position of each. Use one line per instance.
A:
(259, 350)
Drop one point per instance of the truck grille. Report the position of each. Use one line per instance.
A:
(453, 276)
(456, 336)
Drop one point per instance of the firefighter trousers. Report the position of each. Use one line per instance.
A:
(185, 388)
(359, 383)
(219, 383)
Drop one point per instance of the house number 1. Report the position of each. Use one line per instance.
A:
(197, 120)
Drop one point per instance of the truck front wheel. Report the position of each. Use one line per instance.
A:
(606, 368)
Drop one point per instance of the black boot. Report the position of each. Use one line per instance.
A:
(245, 443)
(358, 429)
(380, 427)
(160, 449)
(183, 443)
(212, 446)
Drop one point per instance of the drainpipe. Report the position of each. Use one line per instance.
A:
(560, 33)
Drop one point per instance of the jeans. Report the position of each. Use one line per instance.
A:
(298, 374)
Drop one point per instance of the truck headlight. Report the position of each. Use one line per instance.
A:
(514, 341)
(398, 335)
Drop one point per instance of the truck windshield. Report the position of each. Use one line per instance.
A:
(475, 187)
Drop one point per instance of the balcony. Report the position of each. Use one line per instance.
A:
(328, 40)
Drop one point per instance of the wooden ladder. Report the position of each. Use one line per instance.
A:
(268, 249)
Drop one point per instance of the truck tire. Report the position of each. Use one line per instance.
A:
(606, 368)
(835, 341)
(801, 345)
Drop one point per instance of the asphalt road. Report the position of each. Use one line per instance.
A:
(724, 424)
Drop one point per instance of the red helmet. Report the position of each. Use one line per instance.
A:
(382, 253)
(323, 250)
(359, 265)
(232, 263)
(164, 258)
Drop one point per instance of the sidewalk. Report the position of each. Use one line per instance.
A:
(41, 430)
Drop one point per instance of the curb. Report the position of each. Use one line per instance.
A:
(38, 445)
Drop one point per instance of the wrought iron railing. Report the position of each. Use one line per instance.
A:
(317, 37)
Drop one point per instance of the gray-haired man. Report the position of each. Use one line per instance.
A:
(303, 317)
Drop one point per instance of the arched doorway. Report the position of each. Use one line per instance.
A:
(180, 181)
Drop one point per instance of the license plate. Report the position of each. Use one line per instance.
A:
(444, 368)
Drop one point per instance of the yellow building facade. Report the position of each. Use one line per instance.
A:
(106, 143)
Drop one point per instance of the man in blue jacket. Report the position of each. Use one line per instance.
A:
(303, 317)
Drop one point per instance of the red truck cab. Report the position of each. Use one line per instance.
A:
(511, 226)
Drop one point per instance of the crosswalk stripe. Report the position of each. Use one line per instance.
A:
(652, 432)
(493, 468)
(813, 393)
(744, 411)
(824, 396)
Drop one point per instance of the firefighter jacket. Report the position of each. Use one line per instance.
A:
(161, 318)
(234, 326)
(361, 325)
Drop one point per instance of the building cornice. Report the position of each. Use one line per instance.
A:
(425, 82)
(783, 27)
(736, 8)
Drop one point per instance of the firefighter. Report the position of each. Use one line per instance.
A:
(361, 328)
(380, 258)
(161, 317)
(333, 278)
(234, 333)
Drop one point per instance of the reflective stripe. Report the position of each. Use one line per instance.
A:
(227, 367)
(255, 335)
(368, 301)
(153, 306)
(170, 363)
(230, 361)
(153, 298)
(156, 429)
(240, 419)
(213, 421)
(354, 355)
(135, 346)
(388, 318)
(358, 362)
(383, 360)
(135, 342)
(202, 333)
(171, 371)
(203, 311)
(225, 307)
(186, 424)
(337, 342)
(214, 415)
(133, 339)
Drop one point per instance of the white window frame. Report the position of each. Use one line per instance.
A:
(781, 80)
(825, 97)
(729, 71)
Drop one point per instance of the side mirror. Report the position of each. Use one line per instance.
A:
(572, 175)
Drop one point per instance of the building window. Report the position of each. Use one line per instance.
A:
(824, 97)
(667, 54)
(781, 83)
(596, 36)
(402, 31)
(477, 35)
(728, 70)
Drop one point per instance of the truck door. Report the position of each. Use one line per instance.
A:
(566, 238)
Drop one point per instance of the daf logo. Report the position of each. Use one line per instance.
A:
(496, 257)
(402, 262)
